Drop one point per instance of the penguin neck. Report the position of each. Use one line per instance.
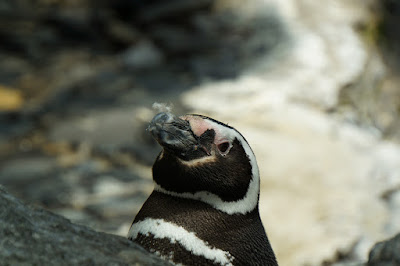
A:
(242, 206)
(191, 213)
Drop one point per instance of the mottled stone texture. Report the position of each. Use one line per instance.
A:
(34, 236)
(386, 253)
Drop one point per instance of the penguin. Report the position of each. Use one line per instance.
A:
(204, 206)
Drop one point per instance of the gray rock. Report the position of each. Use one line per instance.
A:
(385, 253)
(390, 32)
(106, 127)
(143, 55)
(162, 9)
(33, 236)
(26, 169)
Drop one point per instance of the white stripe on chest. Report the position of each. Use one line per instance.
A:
(177, 234)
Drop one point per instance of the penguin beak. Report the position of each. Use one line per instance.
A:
(172, 133)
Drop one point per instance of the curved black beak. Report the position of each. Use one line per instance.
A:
(172, 133)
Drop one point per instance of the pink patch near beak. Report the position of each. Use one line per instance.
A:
(200, 125)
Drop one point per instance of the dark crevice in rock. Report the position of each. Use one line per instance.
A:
(385, 253)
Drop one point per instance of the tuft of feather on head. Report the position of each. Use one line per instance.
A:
(162, 107)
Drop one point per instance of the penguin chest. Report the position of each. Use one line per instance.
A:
(190, 232)
(177, 244)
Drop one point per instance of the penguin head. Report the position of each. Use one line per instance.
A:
(204, 159)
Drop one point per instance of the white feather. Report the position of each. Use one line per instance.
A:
(162, 107)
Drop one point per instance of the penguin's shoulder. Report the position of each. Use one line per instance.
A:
(237, 238)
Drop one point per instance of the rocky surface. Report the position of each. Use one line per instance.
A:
(34, 236)
(312, 85)
(385, 253)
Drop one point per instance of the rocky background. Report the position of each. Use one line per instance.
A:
(313, 85)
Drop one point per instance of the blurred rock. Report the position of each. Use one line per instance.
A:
(108, 131)
(84, 189)
(36, 236)
(10, 99)
(122, 33)
(392, 198)
(142, 55)
(177, 40)
(158, 10)
(389, 33)
(99, 128)
(12, 68)
(385, 253)
(14, 126)
(37, 178)
(26, 169)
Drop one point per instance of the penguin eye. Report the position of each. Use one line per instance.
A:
(224, 147)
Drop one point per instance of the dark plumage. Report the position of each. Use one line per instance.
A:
(204, 208)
